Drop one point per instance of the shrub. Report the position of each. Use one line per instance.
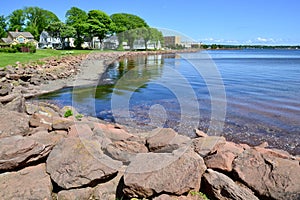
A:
(68, 113)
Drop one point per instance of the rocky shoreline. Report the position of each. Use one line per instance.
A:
(46, 154)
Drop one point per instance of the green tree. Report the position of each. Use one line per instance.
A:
(37, 20)
(3, 26)
(77, 18)
(16, 20)
(100, 24)
(125, 22)
(61, 31)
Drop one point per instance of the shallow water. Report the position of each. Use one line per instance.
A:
(254, 92)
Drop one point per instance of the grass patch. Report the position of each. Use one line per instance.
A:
(12, 58)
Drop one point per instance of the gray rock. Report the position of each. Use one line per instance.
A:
(220, 186)
(153, 173)
(75, 162)
(29, 183)
(270, 176)
(13, 123)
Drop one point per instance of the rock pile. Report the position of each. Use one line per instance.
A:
(48, 156)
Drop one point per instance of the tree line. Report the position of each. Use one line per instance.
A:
(81, 25)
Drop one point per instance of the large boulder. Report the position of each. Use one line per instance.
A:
(270, 176)
(17, 104)
(220, 186)
(13, 123)
(125, 150)
(222, 156)
(75, 194)
(18, 151)
(166, 140)
(76, 162)
(153, 173)
(114, 133)
(204, 145)
(29, 183)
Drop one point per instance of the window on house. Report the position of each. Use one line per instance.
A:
(21, 40)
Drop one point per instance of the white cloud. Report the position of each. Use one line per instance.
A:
(268, 40)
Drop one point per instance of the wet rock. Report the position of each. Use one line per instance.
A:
(74, 163)
(83, 193)
(204, 145)
(220, 186)
(154, 173)
(165, 140)
(125, 150)
(271, 177)
(29, 183)
(13, 123)
(223, 155)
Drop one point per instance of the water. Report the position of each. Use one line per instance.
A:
(261, 100)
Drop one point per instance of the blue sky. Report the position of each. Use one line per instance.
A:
(216, 21)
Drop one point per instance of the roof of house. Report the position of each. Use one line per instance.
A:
(6, 40)
(27, 35)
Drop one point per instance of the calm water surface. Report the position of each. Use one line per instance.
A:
(262, 95)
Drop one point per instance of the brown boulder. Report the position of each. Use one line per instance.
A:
(125, 150)
(75, 194)
(115, 133)
(204, 145)
(223, 155)
(29, 183)
(154, 173)
(18, 151)
(166, 140)
(60, 123)
(17, 104)
(75, 163)
(271, 177)
(80, 130)
(41, 120)
(220, 186)
(14, 123)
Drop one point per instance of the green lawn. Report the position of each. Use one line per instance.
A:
(12, 58)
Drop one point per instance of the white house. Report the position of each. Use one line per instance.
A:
(46, 41)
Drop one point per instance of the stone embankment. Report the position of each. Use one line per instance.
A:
(45, 155)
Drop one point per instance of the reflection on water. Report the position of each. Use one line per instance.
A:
(262, 89)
